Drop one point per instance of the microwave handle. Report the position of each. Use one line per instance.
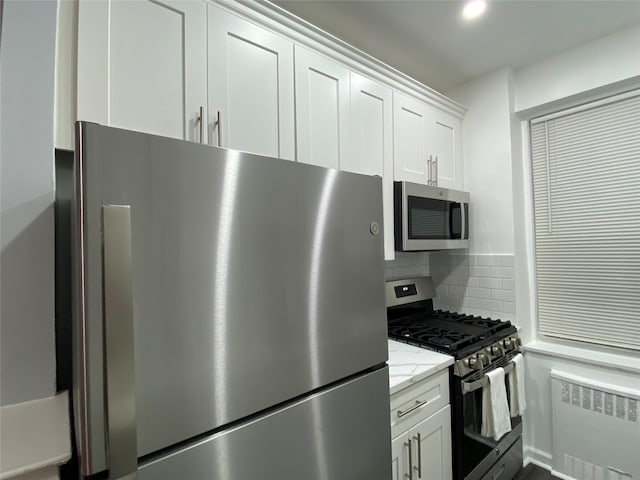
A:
(463, 220)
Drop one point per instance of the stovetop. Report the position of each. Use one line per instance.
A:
(448, 332)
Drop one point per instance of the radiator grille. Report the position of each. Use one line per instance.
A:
(596, 430)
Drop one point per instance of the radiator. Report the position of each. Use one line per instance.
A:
(596, 429)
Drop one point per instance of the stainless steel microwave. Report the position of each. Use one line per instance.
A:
(430, 218)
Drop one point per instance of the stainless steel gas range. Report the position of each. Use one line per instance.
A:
(478, 345)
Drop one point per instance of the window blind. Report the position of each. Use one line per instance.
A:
(586, 188)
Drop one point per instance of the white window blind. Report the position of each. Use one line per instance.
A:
(586, 185)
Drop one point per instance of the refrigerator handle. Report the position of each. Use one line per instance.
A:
(118, 328)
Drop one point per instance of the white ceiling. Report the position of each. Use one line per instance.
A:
(429, 41)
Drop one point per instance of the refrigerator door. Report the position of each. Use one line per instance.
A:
(340, 434)
(253, 281)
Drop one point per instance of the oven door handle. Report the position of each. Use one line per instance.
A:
(468, 387)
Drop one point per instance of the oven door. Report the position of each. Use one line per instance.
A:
(483, 457)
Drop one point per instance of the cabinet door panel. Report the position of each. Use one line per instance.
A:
(399, 458)
(322, 110)
(435, 445)
(372, 143)
(251, 85)
(141, 65)
(410, 125)
(446, 144)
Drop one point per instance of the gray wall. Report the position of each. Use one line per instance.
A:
(27, 59)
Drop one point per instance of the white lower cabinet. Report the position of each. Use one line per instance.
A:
(421, 431)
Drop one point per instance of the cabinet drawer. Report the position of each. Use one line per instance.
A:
(418, 402)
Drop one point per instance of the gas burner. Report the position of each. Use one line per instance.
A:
(440, 337)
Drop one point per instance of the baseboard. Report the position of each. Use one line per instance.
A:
(538, 458)
(562, 476)
(543, 460)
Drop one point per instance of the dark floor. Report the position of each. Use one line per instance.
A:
(531, 472)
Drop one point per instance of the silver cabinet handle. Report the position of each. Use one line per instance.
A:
(218, 125)
(202, 121)
(429, 181)
(418, 439)
(120, 388)
(435, 175)
(410, 461)
(409, 410)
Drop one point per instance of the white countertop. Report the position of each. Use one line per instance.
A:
(409, 364)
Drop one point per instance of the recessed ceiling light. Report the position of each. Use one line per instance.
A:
(473, 9)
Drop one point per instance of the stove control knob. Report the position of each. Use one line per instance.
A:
(496, 351)
(474, 363)
(483, 359)
(508, 344)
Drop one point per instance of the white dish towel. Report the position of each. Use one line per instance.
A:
(495, 408)
(517, 402)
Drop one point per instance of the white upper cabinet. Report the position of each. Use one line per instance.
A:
(410, 123)
(251, 100)
(444, 142)
(427, 144)
(372, 143)
(322, 110)
(142, 65)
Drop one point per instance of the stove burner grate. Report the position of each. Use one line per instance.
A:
(444, 331)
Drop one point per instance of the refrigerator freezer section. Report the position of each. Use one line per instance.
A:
(253, 281)
(333, 435)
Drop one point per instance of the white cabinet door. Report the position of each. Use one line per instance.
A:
(432, 439)
(427, 144)
(250, 87)
(142, 65)
(399, 458)
(372, 143)
(322, 110)
(410, 124)
(444, 142)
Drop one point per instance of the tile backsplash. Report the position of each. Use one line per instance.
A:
(474, 284)
(407, 264)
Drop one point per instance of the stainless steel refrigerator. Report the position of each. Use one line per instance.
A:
(228, 314)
